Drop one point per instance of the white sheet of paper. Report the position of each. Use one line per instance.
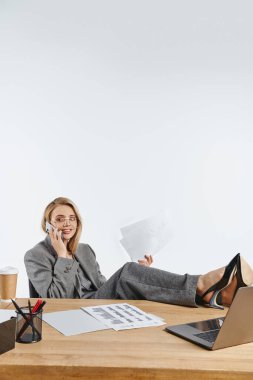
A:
(73, 322)
(5, 315)
(147, 236)
(123, 316)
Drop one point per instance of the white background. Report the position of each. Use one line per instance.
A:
(128, 108)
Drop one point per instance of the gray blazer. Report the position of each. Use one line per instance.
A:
(57, 277)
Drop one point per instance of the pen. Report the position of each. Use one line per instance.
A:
(31, 317)
(20, 311)
(41, 306)
(38, 303)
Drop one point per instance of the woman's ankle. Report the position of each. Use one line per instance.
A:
(207, 280)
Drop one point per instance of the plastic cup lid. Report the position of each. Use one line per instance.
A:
(8, 270)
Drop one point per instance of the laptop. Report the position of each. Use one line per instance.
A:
(233, 329)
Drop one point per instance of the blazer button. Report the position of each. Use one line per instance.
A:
(66, 271)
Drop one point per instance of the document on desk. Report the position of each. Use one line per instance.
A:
(123, 316)
(146, 236)
(5, 315)
(73, 322)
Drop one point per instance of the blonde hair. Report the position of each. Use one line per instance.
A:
(73, 242)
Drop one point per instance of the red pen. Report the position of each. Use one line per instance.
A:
(38, 303)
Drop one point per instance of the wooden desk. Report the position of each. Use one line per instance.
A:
(147, 353)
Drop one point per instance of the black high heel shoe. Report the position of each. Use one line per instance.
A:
(226, 279)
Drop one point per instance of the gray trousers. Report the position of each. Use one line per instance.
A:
(134, 281)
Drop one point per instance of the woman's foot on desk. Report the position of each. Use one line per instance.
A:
(219, 287)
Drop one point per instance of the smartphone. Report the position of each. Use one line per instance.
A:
(48, 227)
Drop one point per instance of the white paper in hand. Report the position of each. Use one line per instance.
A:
(147, 236)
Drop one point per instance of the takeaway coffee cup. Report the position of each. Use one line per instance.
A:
(8, 283)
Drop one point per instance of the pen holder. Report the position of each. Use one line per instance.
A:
(28, 328)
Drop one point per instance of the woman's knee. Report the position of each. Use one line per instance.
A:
(129, 266)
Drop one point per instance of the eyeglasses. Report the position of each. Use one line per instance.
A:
(61, 219)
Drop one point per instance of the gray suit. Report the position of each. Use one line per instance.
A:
(56, 277)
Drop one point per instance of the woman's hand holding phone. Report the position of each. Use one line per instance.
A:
(57, 242)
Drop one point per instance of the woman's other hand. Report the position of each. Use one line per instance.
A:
(57, 242)
(147, 261)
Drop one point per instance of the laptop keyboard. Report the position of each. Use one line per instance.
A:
(209, 336)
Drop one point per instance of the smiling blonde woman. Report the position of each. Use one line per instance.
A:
(62, 267)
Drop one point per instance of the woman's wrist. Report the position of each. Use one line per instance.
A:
(62, 253)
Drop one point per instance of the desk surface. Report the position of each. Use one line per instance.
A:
(147, 353)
